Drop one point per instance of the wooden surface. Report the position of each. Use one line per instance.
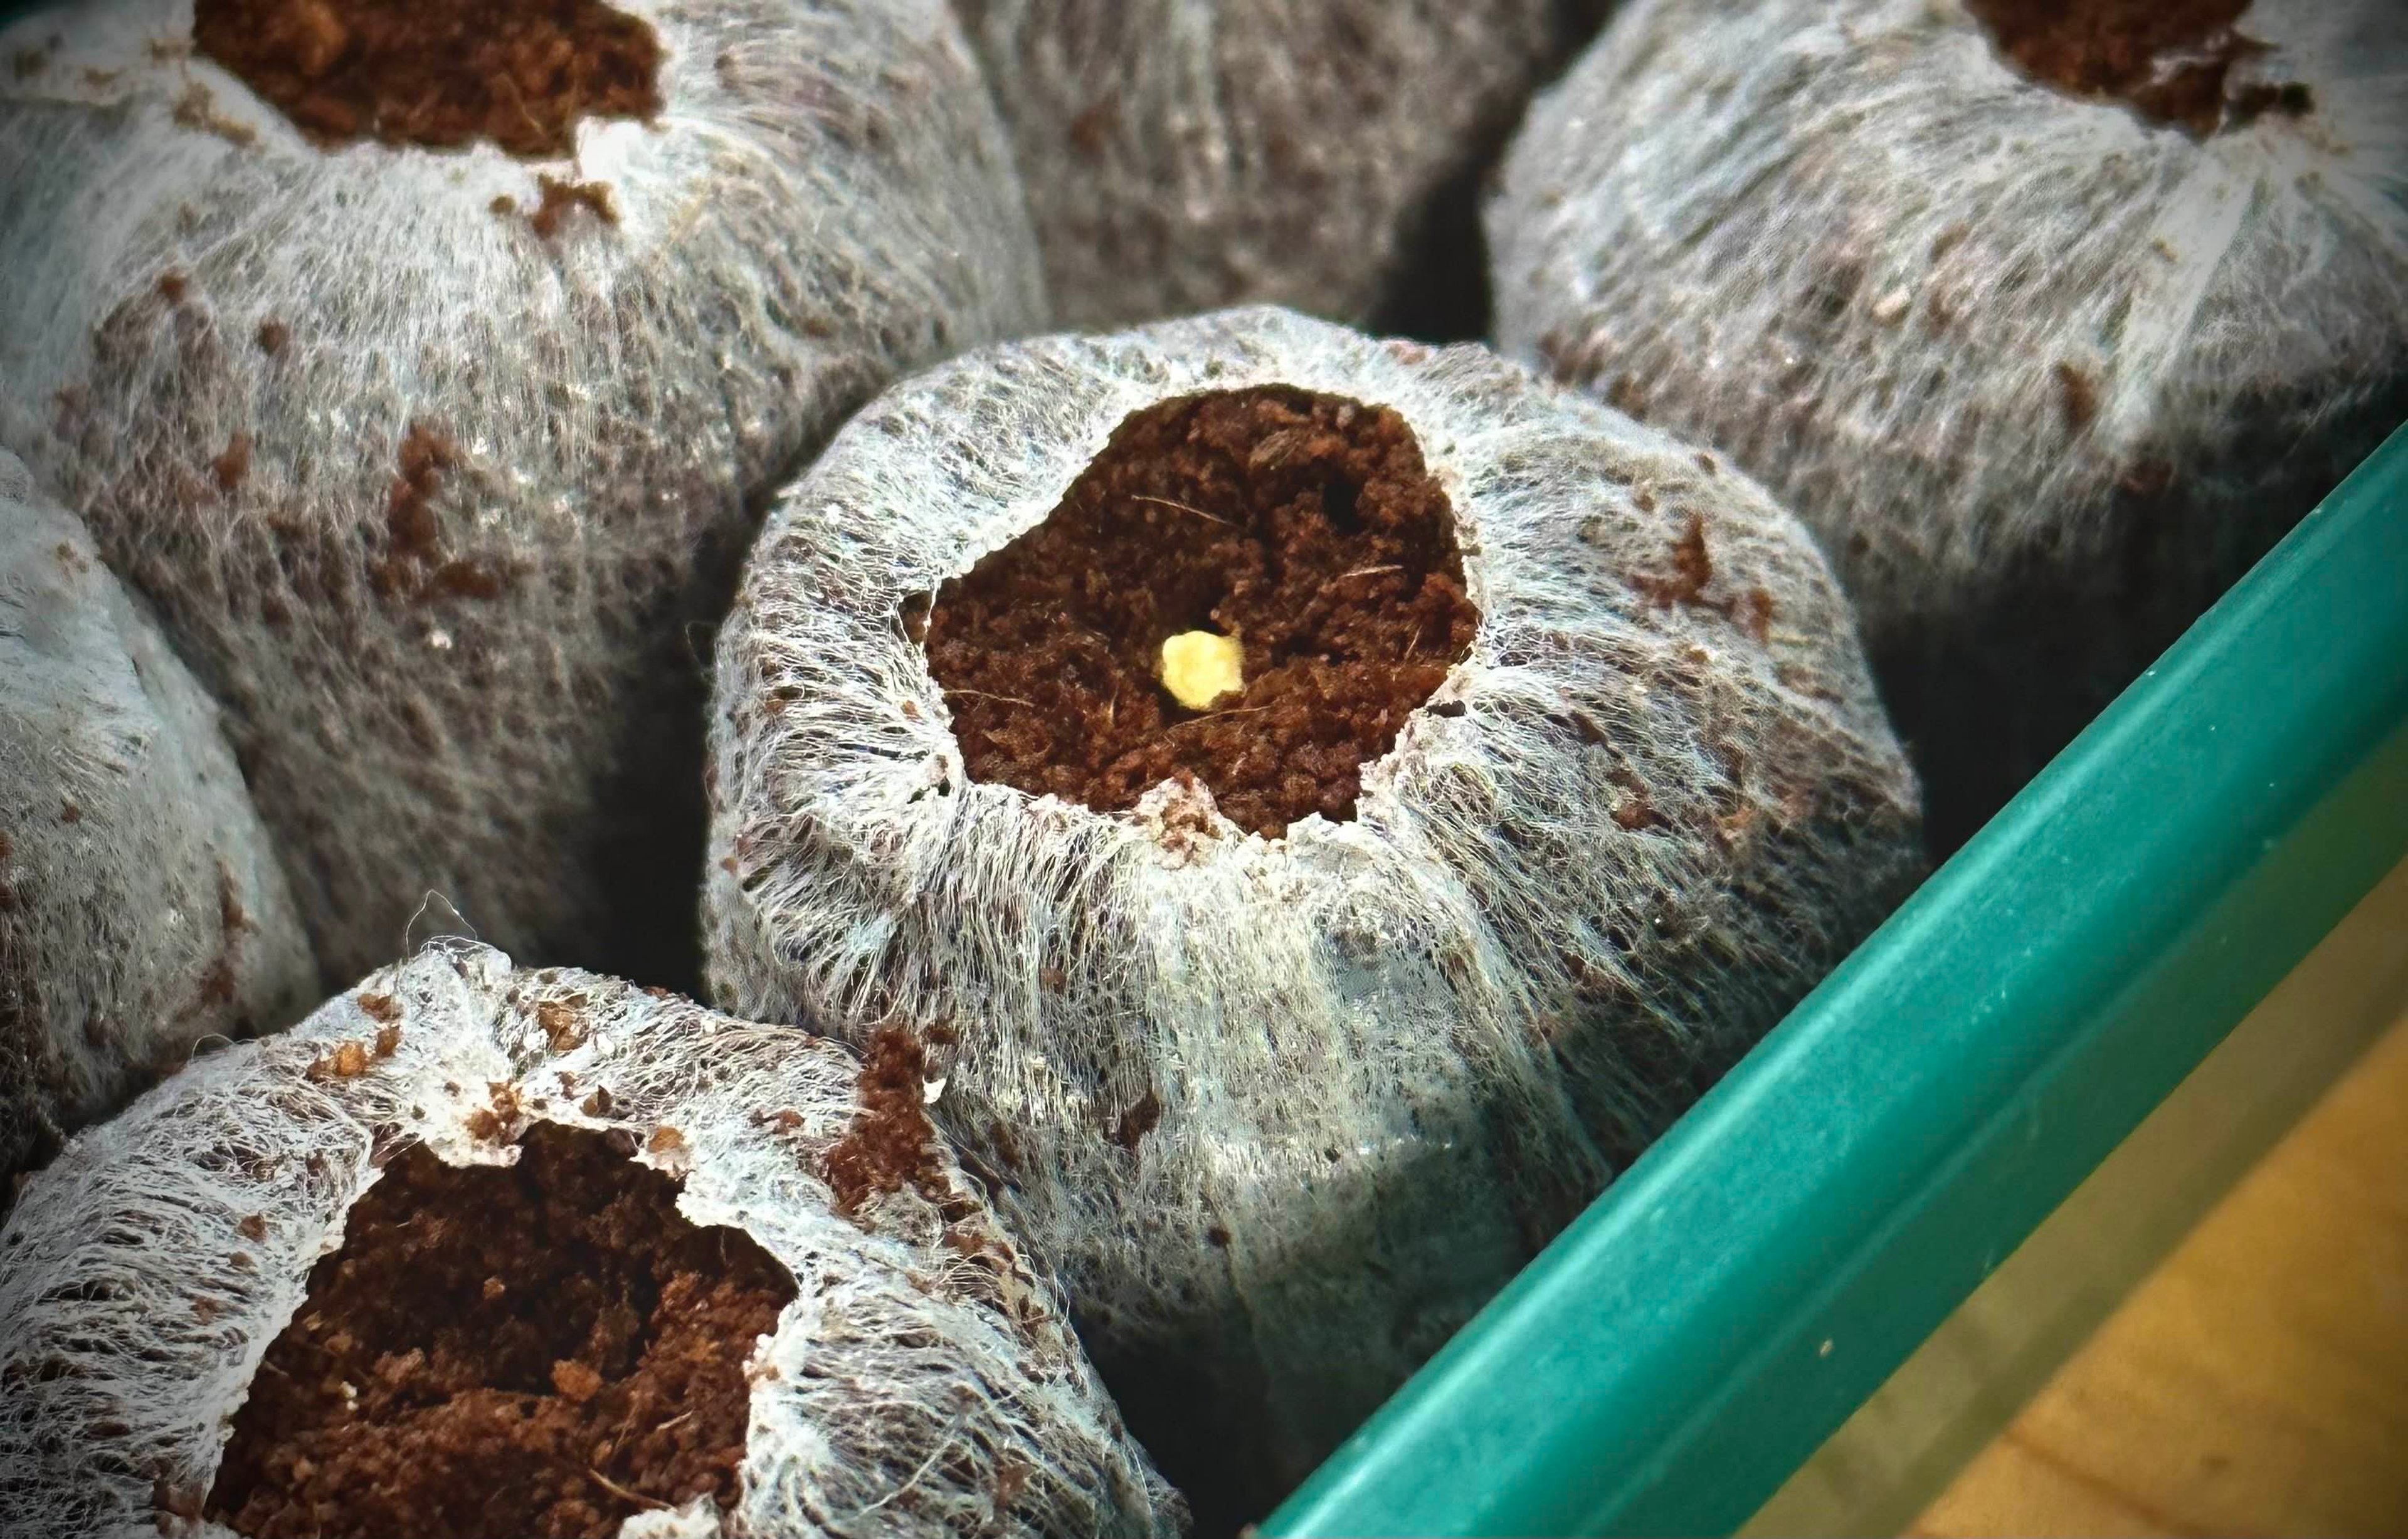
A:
(2258, 1382)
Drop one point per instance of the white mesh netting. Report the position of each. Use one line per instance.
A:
(923, 1382)
(141, 907)
(2044, 377)
(1389, 1056)
(442, 509)
(1184, 154)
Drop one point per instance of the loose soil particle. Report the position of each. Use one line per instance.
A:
(891, 1144)
(564, 198)
(1305, 525)
(438, 73)
(415, 567)
(2167, 60)
(540, 1350)
(235, 463)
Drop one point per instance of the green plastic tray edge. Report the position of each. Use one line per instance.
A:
(1682, 1347)
(1898, 1451)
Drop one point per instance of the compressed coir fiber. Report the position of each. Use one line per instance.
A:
(484, 1251)
(1181, 155)
(428, 366)
(1535, 772)
(2049, 317)
(141, 907)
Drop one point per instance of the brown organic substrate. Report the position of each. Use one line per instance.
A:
(440, 73)
(540, 1350)
(891, 1144)
(2167, 60)
(1303, 524)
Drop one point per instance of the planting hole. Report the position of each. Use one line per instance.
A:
(438, 73)
(1281, 559)
(548, 1349)
(2167, 60)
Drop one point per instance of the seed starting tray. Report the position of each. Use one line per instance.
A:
(1668, 1363)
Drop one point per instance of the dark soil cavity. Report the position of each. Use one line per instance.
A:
(2167, 60)
(438, 73)
(542, 1351)
(1304, 525)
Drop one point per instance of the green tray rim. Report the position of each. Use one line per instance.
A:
(1690, 1340)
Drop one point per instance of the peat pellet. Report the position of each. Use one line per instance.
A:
(428, 366)
(1289, 1026)
(2049, 317)
(479, 1251)
(1181, 155)
(142, 911)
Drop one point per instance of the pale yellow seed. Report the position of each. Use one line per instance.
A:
(1198, 667)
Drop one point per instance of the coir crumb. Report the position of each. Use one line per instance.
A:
(1141, 1118)
(198, 109)
(891, 1143)
(563, 198)
(560, 1023)
(413, 565)
(2077, 397)
(234, 464)
(1692, 572)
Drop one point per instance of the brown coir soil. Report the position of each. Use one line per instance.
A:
(438, 73)
(541, 1350)
(2167, 60)
(1305, 525)
(891, 1144)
